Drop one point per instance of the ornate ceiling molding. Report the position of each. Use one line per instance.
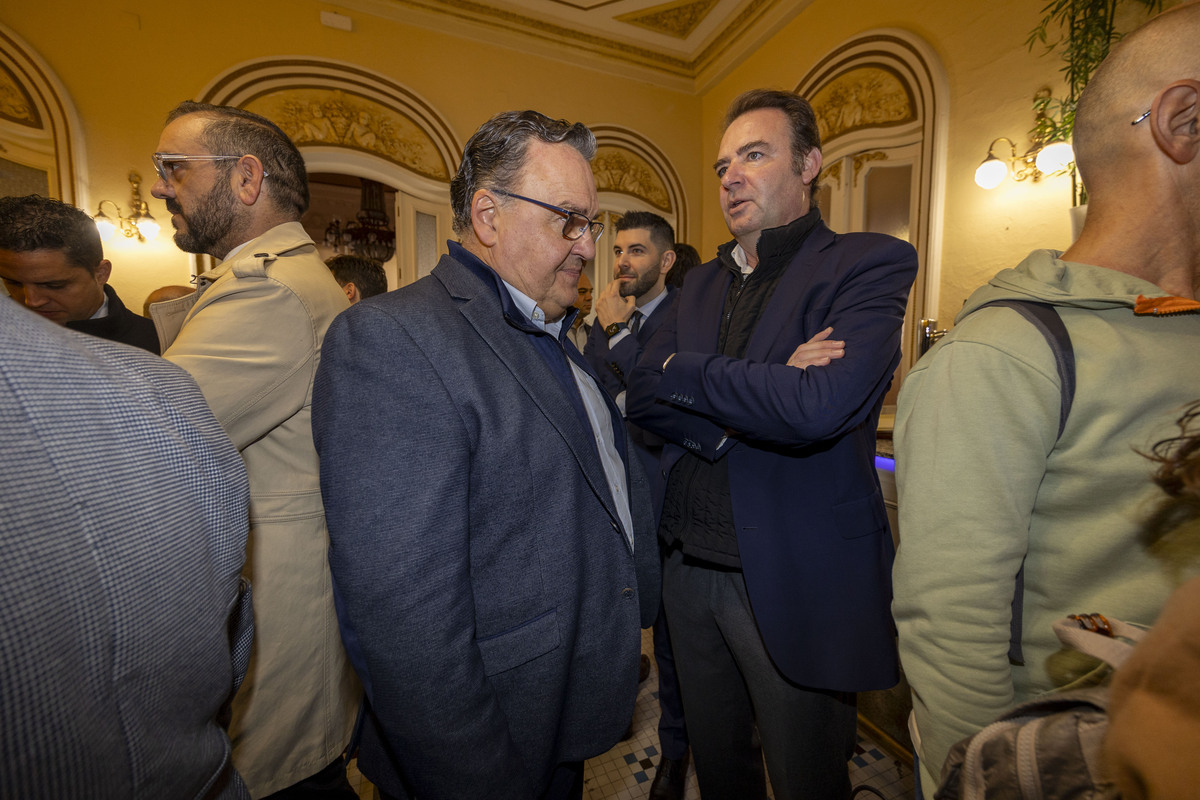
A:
(677, 19)
(590, 34)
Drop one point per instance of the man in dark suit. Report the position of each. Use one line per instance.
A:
(628, 312)
(578, 334)
(492, 542)
(776, 583)
(52, 261)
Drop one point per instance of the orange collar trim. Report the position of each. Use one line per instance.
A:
(1160, 306)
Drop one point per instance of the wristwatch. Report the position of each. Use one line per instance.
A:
(612, 330)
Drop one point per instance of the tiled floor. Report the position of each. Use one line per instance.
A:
(625, 772)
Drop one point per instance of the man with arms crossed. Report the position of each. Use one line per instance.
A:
(989, 488)
(491, 534)
(776, 581)
(251, 334)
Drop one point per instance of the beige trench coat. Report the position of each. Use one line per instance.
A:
(251, 336)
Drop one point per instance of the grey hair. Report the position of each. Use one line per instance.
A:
(495, 155)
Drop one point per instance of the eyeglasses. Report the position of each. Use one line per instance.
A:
(164, 163)
(574, 223)
(1142, 117)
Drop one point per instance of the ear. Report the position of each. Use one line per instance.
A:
(483, 218)
(351, 292)
(812, 166)
(1174, 119)
(103, 270)
(246, 180)
(668, 261)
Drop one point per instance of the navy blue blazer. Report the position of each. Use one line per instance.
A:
(615, 365)
(811, 525)
(488, 596)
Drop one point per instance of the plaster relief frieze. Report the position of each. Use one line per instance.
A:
(619, 170)
(342, 119)
(862, 159)
(832, 173)
(677, 19)
(861, 98)
(15, 103)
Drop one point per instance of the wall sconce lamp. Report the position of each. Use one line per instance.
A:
(1039, 160)
(138, 225)
(1042, 158)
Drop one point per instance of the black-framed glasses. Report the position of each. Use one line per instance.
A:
(574, 223)
(164, 163)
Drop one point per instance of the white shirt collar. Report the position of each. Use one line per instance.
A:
(531, 311)
(739, 258)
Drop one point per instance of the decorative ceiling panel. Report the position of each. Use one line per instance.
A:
(676, 19)
(681, 40)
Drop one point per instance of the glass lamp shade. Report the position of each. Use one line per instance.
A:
(147, 225)
(105, 225)
(990, 173)
(1054, 157)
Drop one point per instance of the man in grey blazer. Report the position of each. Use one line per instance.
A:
(490, 530)
(123, 517)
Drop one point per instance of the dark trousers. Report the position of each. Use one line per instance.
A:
(672, 735)
(566, 783)
(328, 784)
(730, 685)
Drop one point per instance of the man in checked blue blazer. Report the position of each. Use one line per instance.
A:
(124, 627)
(491, 539)
(777, 581)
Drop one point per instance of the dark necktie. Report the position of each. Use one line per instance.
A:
(635, 324)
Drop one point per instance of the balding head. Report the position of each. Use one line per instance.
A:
(1155, 66)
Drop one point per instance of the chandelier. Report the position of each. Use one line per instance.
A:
(370, 233)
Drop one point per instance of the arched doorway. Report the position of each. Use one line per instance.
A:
(40, 150)
(880, 101)
(350, 124)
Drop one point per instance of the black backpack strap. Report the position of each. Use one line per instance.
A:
(1045, 318)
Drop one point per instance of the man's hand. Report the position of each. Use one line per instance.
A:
(611, 307)
(818, 351)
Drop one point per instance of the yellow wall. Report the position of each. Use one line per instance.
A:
(125, 67)
(992, 80)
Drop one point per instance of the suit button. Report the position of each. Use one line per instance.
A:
(627, 593)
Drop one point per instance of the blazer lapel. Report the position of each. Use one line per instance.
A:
(485, 314)
(791, 296)
(655, 320)
(701, 331)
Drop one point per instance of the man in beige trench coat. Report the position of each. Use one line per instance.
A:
(251, 336)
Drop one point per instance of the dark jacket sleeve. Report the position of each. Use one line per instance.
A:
(612, 365)
(861, 294)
